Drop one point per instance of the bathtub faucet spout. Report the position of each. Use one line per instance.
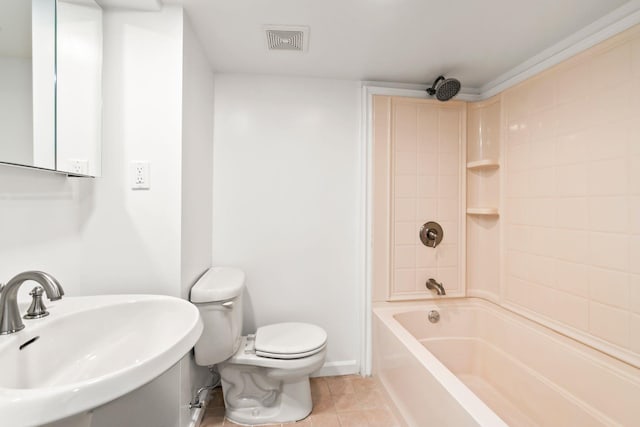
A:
(435, 286)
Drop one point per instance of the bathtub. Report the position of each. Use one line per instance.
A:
(482, 365)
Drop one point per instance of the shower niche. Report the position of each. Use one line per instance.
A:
(483, 197)
(483, 153)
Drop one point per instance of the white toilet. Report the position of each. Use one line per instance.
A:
(265, 376)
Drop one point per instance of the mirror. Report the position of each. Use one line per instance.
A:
(27, 73)
(46, 123)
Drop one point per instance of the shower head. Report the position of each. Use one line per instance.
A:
(444, 89)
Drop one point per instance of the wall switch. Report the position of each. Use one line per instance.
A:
(140, 175)
(79, 166)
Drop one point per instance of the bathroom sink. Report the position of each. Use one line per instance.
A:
(90, 351)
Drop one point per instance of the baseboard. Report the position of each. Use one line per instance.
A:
(342, 367)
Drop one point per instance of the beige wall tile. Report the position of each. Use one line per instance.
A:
(572, 180)
(614, 63)
(609, 287)
(609, 214)
(634, 293)
(405, 256)
(427, 186)
(405, 129)
(608, 177)
(404, 280)
(634, 214)
(634, 173)
(635, 57)
(570, 148)
(609, 323)
(427, 163)
(572, 245)
(405, 186)
(634, 333)
(425, 257)
(405, 163)
(573, 83)
(571, 192)
(572, 278)
(609, 250)
(572, 213)
(634, 254)
(405, 210)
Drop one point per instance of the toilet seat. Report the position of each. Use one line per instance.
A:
(289, 340)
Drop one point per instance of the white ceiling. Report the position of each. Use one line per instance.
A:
(405, 41)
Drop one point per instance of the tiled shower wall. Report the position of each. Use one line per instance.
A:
(418, 159)
(572, 193)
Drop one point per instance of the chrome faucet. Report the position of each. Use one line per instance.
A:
(435, 286)
(10, 320)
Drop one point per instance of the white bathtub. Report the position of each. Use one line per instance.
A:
(482, 365)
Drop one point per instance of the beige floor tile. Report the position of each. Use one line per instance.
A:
(213, 417)
(381, 417)
(217, 399)
(322, 403)
(340, 385)
(319, 386)
(324, 420)
(371, 399)
(362, 384)
(212, 422)
(342, 401)
(229, 423)
(346, 402)
(301, 423)
(353, 419)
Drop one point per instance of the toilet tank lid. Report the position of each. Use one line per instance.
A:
(218, 284)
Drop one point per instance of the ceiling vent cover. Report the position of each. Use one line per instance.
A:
(284, 37)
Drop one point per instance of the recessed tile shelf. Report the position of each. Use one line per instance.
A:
(483, 164)
(483, 211)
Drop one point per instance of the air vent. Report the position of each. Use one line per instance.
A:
(284, 37)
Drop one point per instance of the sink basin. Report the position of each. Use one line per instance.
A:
(90, 351)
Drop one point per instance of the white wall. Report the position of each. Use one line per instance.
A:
(286, 202)
(133, 237)
(197, 188)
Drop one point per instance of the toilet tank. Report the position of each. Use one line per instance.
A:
(218, 296)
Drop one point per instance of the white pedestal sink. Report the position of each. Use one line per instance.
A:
(90, 351)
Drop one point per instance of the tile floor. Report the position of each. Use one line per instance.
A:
(344, 401)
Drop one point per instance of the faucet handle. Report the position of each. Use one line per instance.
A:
(37, 308)
(37, 291)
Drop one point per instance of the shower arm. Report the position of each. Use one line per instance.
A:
(432, 90)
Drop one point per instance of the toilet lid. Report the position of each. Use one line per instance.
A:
(289, 340)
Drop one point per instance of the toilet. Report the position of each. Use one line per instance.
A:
(265, 376)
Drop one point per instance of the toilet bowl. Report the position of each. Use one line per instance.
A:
(265, 376)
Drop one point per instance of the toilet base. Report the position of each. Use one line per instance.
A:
(259, 390)
(292, 403)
